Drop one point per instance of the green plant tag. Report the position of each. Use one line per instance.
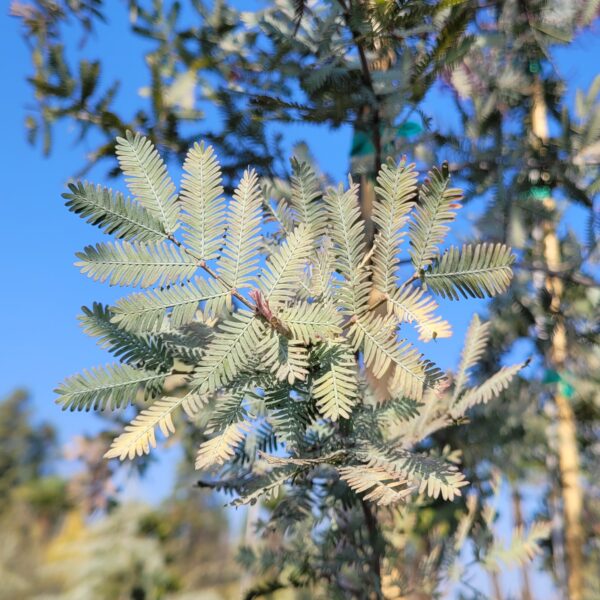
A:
(361, 144)
(551, 376)
(566, 389)
(539, 192)
(409, 129)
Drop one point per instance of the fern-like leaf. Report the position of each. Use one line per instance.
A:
(140, 435)
(475, 344)
(399, 409)
(221, 447)
(304, 198)
(288, 414)
(396, 189)
(146, 311)
(113, 213)
(413, 305)
(142, 351)
(522, 548)
(319, 275)
(377, 484)
(336, 385)
(436, 208)
(203, 207)
(376, 336)
(147, 178)
(347, 234)
(280, 280)
(491, 388)
(229, 406)
(311, 323)
(475, 271)
(281, 213)
(286, 359)
(431, 475)
(135, 264)
(268, 486)
(112, 386)
(232, 347)
(242, 247)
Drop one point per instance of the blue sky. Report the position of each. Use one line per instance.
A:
(41, 291)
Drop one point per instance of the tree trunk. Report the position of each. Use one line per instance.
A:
(496, 589)
(519, 522)
(572, 497)
(568, 452)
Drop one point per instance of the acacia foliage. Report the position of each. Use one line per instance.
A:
(282, 334)
(286, 61)
(277, 343)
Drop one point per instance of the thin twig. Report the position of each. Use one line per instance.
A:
(201, 263)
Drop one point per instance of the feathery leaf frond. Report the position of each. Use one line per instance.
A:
(523, 547)
(384, 487)
(288, 413)
(145, 311)
(376, 336)
(229, 406)
(304, 198)
(347, 234)
(397, 186)
(147, 178)
(286, 359)
(113, 213)
(112, 386)
(280, 212)
(437, 204)
(135, 264)
(311, 323)
(413, 305)
(242, 246)
(142, 351)
(140, 435)
(336, 385)
(234, 344)
(475, 271)
(222, 361)
(491, 388)
(203, 207)
(431, 475)
(221, 447)
(268, 486)
(400, 409)
(281, 277)
(320, 277)
(475, 344)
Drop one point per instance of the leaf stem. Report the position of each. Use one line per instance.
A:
(201, 263)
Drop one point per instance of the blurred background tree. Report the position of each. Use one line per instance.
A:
(67, 537)
(521, 146)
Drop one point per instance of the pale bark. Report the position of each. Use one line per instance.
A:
(568, 452)
(496, 589)
(519, 522)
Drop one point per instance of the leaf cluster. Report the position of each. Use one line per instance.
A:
(279, 351)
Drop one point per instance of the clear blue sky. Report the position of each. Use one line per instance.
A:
(41, 291)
